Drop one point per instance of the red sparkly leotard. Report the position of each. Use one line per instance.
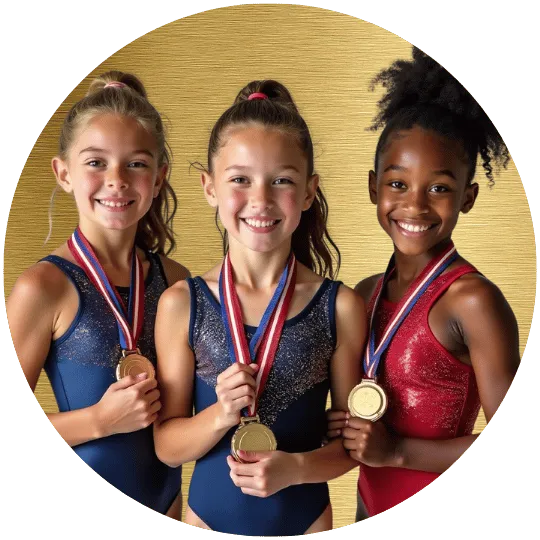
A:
(431, 394)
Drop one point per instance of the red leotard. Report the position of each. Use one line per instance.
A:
(431, 394)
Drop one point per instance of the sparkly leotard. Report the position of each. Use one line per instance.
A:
(431, 394)
(81, 366)
(292, 404)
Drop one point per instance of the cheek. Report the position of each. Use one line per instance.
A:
(231, 202)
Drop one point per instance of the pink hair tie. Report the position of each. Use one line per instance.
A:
(257, 95)
(115, 84)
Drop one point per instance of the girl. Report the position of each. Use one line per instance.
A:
(458, 347)
(261, 181)
(114, 161)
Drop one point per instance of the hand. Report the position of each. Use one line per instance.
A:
(235, 390)
(371, 443)
(128, 405)
(337, 421)
(265, 473)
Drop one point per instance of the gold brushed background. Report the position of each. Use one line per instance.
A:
(193, 68)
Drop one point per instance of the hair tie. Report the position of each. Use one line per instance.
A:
(115, 84)
(257, 95)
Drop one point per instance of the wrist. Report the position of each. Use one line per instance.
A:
(298, 475)
(399, 457)
(99, 427)
(222, 422)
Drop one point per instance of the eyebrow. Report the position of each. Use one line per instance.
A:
(244, 167)
(103, 151)
(441, 172)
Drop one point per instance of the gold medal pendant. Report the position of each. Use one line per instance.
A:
(252, 436)
(134, 363)
(367, 400)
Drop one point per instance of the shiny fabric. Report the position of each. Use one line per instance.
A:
(292, 405)
(431, 394)
(81, 365)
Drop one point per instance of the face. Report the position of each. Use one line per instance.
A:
(420, 188)
(260, 186)
(112, 171)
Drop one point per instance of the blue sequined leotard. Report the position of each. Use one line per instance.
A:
(81, 366)
(292, 404)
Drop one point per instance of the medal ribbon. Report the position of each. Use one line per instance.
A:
(129, 322)
(431, 272)
(263, 345)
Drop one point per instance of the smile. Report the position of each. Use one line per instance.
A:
(260, 224)
(414, 228)
(114, 204)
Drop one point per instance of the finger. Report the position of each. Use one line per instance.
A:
(236, 380)
(155, 407)
(242, 391)
(240, 403)
(333, 433)
(253, 457)
(349, 444)
(244, 481)
(338, 424)
(236, 368)
(152, 396)
(242, 469)
(359, 423)
(145, 385)
(254, 492)
(332, 415)
(126, 382)
(350, 433)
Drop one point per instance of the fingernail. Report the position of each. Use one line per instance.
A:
(142, 376)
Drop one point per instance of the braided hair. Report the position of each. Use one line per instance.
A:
(421, 92)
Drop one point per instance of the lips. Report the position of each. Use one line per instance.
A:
(413, 227)
(260, 223)
(115, 204)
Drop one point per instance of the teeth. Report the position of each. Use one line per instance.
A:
(259, 224)
(413, 228)
(113, 204)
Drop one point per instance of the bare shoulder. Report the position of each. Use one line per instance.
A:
(174, 271)
(349, 302)
(367, 286)
(176, 300)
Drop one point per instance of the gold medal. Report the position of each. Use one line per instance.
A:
(134, 363)
(367, 400)
(252, 436)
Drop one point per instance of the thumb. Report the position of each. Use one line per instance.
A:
(129, 380)
(253, 457)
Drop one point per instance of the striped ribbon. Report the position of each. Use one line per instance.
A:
(433, 270)
(263, 345)
(129, 322)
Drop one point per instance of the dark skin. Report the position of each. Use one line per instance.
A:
(421, 186)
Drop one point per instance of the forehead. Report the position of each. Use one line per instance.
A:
(419, 147)
(257, 146)
(113, 132)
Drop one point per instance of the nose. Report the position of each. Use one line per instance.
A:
(417, 202)
(117, 178)
(261, 196)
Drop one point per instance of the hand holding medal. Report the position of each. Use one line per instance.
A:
(130, 321)
(252, 435)
(368, 399)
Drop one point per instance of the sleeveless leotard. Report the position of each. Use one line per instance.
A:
(81, 366)
(292, 404)
(431, 394)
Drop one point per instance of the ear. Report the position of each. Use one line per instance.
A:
(61, 172)
(207, 183)
(471, 192)
(160, 179)
(372, 183)
(311, 191)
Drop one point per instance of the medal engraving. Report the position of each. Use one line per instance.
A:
(134, 364)
(368, 401)
(252, 436)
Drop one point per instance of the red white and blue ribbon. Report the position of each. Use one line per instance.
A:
(129, 322)
(431, 272)
(263, 345)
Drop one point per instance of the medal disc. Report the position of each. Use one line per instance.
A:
(252, 436)
(367, 400)
(134, 364)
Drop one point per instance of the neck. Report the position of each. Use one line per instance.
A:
(258, 270)
(113, 248)
(409, 267)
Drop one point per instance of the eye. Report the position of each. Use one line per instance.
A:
(239, 180)
(397, 184)
(439, 189)
(283, 181)
(137, 164)
(95, 163)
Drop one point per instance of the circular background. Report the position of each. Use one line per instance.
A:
(193, 68)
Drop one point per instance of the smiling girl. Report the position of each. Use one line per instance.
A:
(262, 334)
(457, 348)
(86, 312)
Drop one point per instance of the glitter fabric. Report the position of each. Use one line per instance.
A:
(81, 366)
(431, 394)
(293, 404)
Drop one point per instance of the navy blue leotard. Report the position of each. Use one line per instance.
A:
(81, 366)
(293, 404)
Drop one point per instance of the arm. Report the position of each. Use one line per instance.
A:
(180, 437)
(270, 472)
(34, 308)
(489, 331)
